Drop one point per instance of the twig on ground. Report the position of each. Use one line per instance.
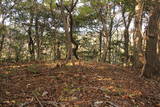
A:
(25, 104)
(37, 99)
(111, 103)
(53, 103)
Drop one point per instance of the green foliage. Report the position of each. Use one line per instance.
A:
(33, 69)
(89, 17)
(89, 47)
(85, 11)
(119, 92)
(128, 5)
(3, 75)
(3, 29)
(107, 91)
(99, 3)
(51, 3)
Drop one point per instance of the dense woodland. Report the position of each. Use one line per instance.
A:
(112, 31)
(123, 34)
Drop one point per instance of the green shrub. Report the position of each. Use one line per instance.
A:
(33, 69)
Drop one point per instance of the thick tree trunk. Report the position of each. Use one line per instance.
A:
(138, 52)
(152, 65)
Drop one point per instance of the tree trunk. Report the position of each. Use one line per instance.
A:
(75, 48)
(2, 39)
(158, 43)
(68, 27)
(138, 52)
(126, 34)
(37, 38)
(152, 64)
(126, 45)
(110, 40)
(106, 45)
(100, 45)
(58, 52)
(31, 43)
(1, 44)
(106, 35)
(65, 19)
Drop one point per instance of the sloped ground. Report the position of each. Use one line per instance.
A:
(83, 85)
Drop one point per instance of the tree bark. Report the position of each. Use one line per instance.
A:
(106, 35)
(159, 46)
(138, 52)
(110, 40)
(58, 52)
(100, 45)
(158, 43)
(1, 43)
(31, 42)
(106, 45)
(126, 34)
(152, 64)
(75, 48)
(65, 19)
(37, 37)
(68, 27)
(2, 39)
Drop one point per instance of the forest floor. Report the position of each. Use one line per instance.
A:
(83, 85)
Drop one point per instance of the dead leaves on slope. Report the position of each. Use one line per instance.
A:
(76, 86)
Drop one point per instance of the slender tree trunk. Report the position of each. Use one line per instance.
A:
(2, 39)
(58, 52)
(110, 40)
(100, 45)
(31, 43)
(112, 15)
(18, 53)
(37, 38)
(1, 44)
(126, 34)
(75, 48)
(106, 35)
(138, 52)
(106, 44)
(152, 63)
(158, 44)
(68, 27)
(126, 44)
(65, 19)
(9, 56)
